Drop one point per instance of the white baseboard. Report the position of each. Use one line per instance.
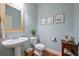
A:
(54, 51)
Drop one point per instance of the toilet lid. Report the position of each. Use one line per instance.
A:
(40, 46)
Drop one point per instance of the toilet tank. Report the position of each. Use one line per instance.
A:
(33, 40)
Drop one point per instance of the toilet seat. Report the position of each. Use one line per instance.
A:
(40, 46)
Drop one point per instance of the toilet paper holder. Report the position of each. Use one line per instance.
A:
(54, 39)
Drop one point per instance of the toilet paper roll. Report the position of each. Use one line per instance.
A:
(53, 39)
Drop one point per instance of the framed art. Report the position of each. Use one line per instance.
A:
(50, 20)
(60, 18)
(43, 21)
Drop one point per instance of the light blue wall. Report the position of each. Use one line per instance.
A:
(45, 31)
(6, 51)
(32, 16)
(76, 20)
(30, 20)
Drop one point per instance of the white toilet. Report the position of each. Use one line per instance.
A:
(39, 47)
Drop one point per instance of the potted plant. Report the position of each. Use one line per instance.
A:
(33, 32)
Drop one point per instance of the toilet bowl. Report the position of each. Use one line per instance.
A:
(39, 47)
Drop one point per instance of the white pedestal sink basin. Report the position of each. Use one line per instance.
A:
(15, 43)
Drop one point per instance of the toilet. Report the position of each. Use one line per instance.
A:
(39, 47)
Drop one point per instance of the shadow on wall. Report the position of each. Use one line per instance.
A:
(6, 51)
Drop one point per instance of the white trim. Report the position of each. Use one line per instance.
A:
(54, 51)
(18, 6)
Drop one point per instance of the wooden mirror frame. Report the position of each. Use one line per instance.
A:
(2, 8)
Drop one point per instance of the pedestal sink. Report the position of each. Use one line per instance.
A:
(15, 43)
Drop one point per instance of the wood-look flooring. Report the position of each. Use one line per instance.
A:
(45, 53)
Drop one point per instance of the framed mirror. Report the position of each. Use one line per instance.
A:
(13, 21)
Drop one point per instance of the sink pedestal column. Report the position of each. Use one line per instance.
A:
(18, 51)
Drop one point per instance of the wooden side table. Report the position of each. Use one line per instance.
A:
(72, 47)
